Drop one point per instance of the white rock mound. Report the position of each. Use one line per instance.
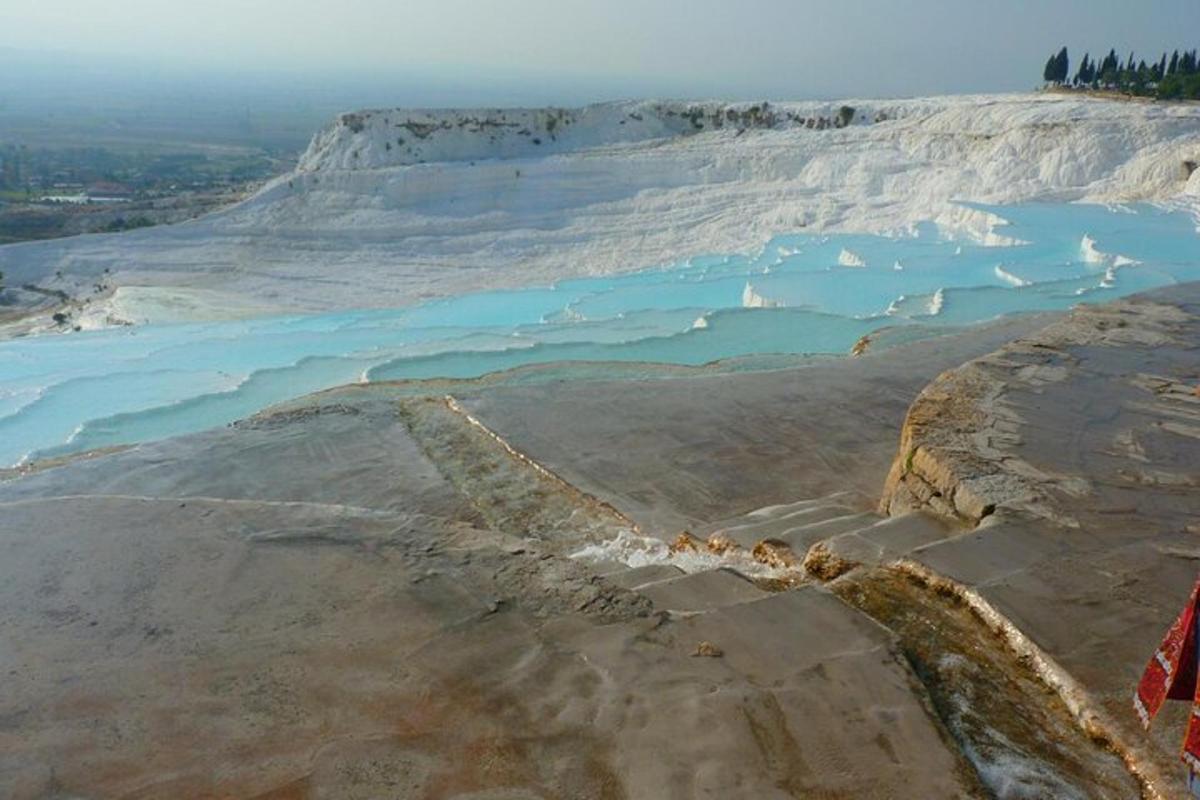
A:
(399, 137)
(752, 299)
(848, 258)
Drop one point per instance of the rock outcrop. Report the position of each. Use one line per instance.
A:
(963, 445)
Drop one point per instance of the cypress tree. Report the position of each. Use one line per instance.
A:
(1168, 76)
(1108, 68)
(1062, 66)
(1051, 69)
(1081, 75)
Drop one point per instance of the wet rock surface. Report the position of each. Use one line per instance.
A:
(369, 594)
(678, 454)
(1018, 735)
(357, 600)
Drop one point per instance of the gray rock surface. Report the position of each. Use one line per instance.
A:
(672, 454)
(363, 594)
(309, 605)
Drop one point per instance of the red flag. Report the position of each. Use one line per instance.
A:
(1171, 675)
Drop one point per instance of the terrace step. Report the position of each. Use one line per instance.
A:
(637, 577)
(784, 509)
(774, 512)
(855, 538)
(703, 591)
(799, 539)
(888, 539)
(751, 532)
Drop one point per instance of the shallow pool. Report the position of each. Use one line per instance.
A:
(801, 294)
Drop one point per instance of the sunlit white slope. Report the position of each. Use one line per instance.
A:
(391, 207)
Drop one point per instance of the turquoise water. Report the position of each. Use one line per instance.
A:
(799, 295)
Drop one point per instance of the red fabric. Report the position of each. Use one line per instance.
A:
(1171, 675)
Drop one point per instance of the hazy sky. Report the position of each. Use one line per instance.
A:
(595, 49)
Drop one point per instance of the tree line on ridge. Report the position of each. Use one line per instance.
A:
(1173, 77)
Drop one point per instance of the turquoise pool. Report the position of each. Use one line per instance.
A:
(801, 294)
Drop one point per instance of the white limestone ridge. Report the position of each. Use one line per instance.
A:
(399, 137)
(848, 258)
(1009, 278)
(1089, 253)
(389, 208)
(936, 302)
(752, 299)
